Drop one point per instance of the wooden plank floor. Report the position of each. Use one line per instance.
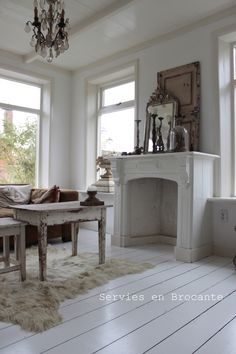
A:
(179, 308)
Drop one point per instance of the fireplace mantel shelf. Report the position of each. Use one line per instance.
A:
(165, 155)
(193, 173)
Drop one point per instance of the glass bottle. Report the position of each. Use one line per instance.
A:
(179, 139)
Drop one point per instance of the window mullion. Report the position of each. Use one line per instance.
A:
(10, 107)
(116, 107)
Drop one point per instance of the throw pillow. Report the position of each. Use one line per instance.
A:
(14, 194)
(39, 196)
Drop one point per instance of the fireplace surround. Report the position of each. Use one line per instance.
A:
(180, 183)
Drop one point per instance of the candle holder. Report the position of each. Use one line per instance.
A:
(160, 143)
(168, 137)
(154, 134)
(137, 149)
(92, 200)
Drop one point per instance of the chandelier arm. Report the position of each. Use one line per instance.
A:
(50, 18)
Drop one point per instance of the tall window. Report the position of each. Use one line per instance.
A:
(116, 118)
(19, 121)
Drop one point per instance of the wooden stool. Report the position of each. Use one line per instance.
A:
(10, 227)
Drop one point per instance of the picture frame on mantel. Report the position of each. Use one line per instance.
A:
(183, 82)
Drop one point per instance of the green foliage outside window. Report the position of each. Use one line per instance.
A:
(18, 153)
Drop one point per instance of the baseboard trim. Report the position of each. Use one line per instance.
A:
(224, 251)
(193, 254)
(124, 241)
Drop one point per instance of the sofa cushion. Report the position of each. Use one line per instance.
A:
(39, 196)
(14, 194)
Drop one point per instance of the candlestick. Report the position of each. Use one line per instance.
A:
(160, 143)
(154, 134)
(137, 149)
(92, 200)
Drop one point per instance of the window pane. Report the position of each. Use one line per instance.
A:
(18, 135)
(117, 132)
(18, 94)
(118, 94)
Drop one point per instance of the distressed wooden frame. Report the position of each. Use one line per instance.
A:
(183, 82)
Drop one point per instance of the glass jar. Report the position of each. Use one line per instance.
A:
(179, 139)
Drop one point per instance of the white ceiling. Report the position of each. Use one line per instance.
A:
(102, 28)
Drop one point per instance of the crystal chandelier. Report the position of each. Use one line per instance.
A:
(50, 37)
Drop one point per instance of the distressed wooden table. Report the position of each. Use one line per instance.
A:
(43, 215)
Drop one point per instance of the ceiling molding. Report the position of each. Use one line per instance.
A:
(111, 74)
(99, 16)
(6, 57)
(13, 70)
(30, 57)
(164, 37)
(89, 22)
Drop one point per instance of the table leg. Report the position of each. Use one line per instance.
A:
(6, 251)
(74, 238)
(21, 251)
(102, 236)
(16, 247)
(42, 248)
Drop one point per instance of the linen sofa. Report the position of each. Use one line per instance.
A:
(55, 231)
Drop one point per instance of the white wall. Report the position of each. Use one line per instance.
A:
(223, 219)
(59, 154)
(199, 44)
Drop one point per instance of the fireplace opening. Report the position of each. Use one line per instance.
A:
(152, 209)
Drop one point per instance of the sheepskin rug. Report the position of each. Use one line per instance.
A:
(34, 305)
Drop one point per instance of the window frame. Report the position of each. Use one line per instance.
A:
(114, 107)
(233, 110)
(10, 107)
(118, 106)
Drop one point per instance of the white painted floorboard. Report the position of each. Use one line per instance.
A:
(223, 341)
(100, 322)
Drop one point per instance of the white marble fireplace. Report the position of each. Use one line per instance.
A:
(163, 198)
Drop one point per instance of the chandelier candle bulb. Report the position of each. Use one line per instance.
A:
(27, 28)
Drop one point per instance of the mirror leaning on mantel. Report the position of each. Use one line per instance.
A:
(161, 111)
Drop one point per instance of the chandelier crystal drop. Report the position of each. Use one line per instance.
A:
(50, 28)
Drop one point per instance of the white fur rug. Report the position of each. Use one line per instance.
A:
(34, 305)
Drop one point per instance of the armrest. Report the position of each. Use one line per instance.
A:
(68, 195)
